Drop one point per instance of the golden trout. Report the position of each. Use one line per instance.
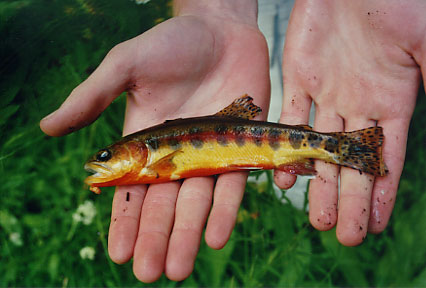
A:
(229, 141)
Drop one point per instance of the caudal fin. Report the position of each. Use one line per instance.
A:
(362, 150)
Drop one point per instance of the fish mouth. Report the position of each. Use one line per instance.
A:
(100, 173)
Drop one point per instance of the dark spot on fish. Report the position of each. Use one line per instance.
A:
(273, 138)
(331, 145)
(153, 143)
(222, 140)
(195, 130)
(295, 139)
(174, 143)
(314, 140)
(221, 129)
(240, 140)
(274, 133)
(239, 130)
(312, 137)
(258, 141)
(257, 131)
(127, 196)
(196, 143)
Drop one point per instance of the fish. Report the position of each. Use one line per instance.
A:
(230, 140)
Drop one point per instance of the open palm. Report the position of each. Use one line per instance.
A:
(359, 62)
(186, 66)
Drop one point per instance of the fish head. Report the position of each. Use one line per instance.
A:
(117, 164)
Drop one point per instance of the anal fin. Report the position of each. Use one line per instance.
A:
(303, 167)
(241, 108)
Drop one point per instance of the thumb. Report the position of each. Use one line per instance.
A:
(88, 100)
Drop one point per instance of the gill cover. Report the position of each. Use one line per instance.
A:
(118, 164)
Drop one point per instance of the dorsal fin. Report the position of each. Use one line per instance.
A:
(241, 108)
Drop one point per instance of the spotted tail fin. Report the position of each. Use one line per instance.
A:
(362, 150)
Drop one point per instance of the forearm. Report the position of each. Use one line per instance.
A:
(243, 11)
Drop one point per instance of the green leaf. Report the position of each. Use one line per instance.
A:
(7, 112)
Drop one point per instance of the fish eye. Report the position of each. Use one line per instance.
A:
(103, 155)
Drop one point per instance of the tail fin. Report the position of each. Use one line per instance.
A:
(362, 150)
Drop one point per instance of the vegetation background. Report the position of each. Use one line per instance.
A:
(53, 231)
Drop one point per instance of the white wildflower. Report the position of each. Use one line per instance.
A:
(77, 217)
(16, 239)
(87, 253)
(85, 213)
(141, 1)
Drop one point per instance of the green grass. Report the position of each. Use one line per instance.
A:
(51, 49)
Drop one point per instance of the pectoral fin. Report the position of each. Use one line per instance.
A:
(163, 166)
(241, 108)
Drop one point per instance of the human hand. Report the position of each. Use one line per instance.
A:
(191, 65)
(359, 62)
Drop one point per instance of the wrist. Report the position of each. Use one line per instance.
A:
(242, 11)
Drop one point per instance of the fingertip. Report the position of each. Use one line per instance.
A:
(219, 228)
(323, 196)
(149, 257)
(145, 272)
(175, 271)
(179, 264)
(382, 206)
(117, 256)
(119, 249)
(213, 241)
(48, 127)
(228, 194)
(349, 237)
(376, 228)
(323, 221)
(284, 180)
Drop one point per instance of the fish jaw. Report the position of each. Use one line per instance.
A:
(101, 173)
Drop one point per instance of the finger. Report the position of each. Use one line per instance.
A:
(323, 190)
(154, 230)
(192, 207)
(295, 110)
(228, 194)
(125, 216)
(355, 197)
(385, 188)
(90, 98)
